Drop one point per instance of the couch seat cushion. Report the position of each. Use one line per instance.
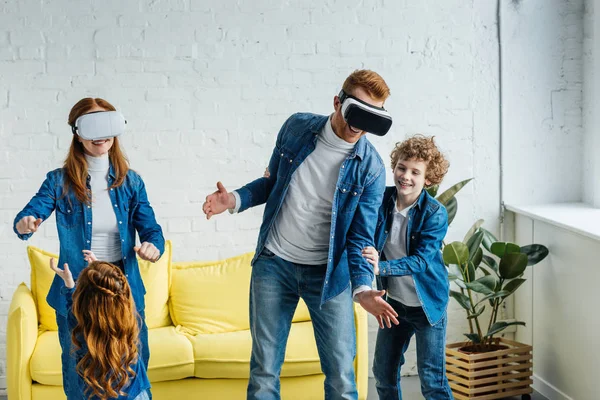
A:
(171, 357)
(227, 355)
(213, 297)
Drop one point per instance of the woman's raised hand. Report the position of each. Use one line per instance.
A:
(28, 224)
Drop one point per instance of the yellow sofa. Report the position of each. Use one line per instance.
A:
(199, 338)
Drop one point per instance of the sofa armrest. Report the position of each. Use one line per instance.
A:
(21, 336)
(361, 362)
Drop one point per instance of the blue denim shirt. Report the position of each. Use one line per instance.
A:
(138, 382)
(426, 228)
(74, 224)
(360, 187)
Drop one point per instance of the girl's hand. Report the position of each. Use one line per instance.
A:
(65, 273)
(89, 256)
(372, 257)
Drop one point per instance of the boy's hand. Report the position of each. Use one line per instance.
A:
(372, 257)
(65, 274)
(89, 256)
(147, 251)
(28, 224)
(218, 202)
(372, 301)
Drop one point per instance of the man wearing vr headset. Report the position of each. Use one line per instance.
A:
(100, 204)
(322, 190)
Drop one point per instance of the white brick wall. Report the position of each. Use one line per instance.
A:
(206, 85)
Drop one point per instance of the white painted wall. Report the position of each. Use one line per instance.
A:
(559, 304)
(205, 86)
(542, 43)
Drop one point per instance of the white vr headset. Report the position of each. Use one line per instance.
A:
(99, 125)
(364, 116)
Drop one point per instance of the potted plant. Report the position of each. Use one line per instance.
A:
(486, 272)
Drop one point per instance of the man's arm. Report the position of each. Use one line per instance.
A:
(257, 192)
(254, 193)
(362, 231)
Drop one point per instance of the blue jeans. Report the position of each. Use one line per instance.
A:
(69, 373)
(431, 349)
(275, 289)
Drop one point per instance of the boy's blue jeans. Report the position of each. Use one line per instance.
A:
(275, 288)
(431, 349)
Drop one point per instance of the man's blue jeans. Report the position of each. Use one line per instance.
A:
(69, 372)
(431, 349)
(275, 289)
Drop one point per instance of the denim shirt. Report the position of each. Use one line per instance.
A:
(137, 383)
(359, 191)
(74, 224)
(426, 228)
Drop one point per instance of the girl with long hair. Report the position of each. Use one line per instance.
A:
(100, 204)
(104, 323)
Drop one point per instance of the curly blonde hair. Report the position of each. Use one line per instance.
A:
(422, 148)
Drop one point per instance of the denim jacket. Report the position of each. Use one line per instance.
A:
(138, 381)
(360, 186)
(426, 228)
(74, 224)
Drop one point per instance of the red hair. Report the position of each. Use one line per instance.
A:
(108, 323)
(76, 165)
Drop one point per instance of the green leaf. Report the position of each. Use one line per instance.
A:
(500, 326)
(473, 243)
(451, 209)
(477, 313)
(462, 299)
(469, 272)
(513, 285)
(488, 239)
(484, 285)
(493, 296)
(474, 228)
(432, 190)
(473, 337)
(449, 193)
(476, 260)
(501, 248)
(455, 253)
(490, 262)
(535, 253)
(512, 265)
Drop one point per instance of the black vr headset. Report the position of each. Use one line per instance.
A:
(364, 116)
(99, 125)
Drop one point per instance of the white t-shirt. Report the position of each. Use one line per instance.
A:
(106, 240)
(400, 288)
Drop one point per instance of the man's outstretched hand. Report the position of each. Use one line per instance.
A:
(218, 202)
(373, 302)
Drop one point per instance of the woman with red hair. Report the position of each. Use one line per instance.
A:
(100, 204)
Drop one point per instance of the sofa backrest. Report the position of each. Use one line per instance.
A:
(213, 297)
(156, 278)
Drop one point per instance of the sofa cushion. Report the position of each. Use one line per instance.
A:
(171, 357)
(213, 297)
(227, 355)
(41, 279)
(156, 278)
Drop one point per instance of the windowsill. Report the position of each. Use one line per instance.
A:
(580, 218)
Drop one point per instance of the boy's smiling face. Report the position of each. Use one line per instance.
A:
(409, 178)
